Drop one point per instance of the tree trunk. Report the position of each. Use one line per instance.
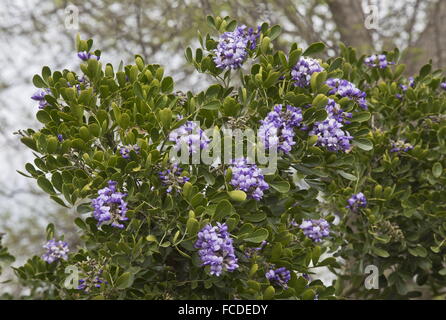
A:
(349, 18)
(431, 44)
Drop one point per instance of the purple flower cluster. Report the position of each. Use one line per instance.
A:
(347, 89)
(331, 136)
(191, 136)
(400, 146)
(110, 207)
(40, 96)
(280, 276)
(216, 249)
(443, 85)
(377, 61)
(232, 48)
(84, 56)
(405, 87)
(335, 111)
(125, 150)
(277, 129)
(86, 284)
(302, 71)
(315, 229)
(357, 201)
(56, 250)
(172, 177)
(248, 178)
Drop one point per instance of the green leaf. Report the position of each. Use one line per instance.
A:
(192, 226)
(308, 294)
(212, 105)
(187, 190)
(437, 169)
(297, 100)
(237, 195)
(269, 293)
(224, 208)
(210, 21)
(45, 184)
(424, 71)
(264, 46)
(167, 85)
(188, 54)
(360, 116)
(151, 238)
(320, 101)
(380, 252)
(363, 144)
(124, 281)
(280, 186)
(165, 117)
(336, 64)
(29, 142)
(258, 236)
(275, 32)
(347, 175)
(314, 48)
(315, 254)
(39, 82)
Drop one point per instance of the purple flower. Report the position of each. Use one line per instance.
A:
(293, 224)
(347, 89)
(302, 71)
(60, 137)
(125, 150)
(55, 250)
(232, 48)
(110, 207)
(280, 276)
(91, 282)
(331, 136)
(248, 178)
(377, 61)
(400, 146)
(84, 56)
(277, 129)
(191, 136)
(357, 201)
(443, 85)
(172, 177)
(315, 229)
(335, 111)
(405, 87)
(40, 96)
(216, 249)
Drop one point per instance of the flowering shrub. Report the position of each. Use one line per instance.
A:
(155, 228)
